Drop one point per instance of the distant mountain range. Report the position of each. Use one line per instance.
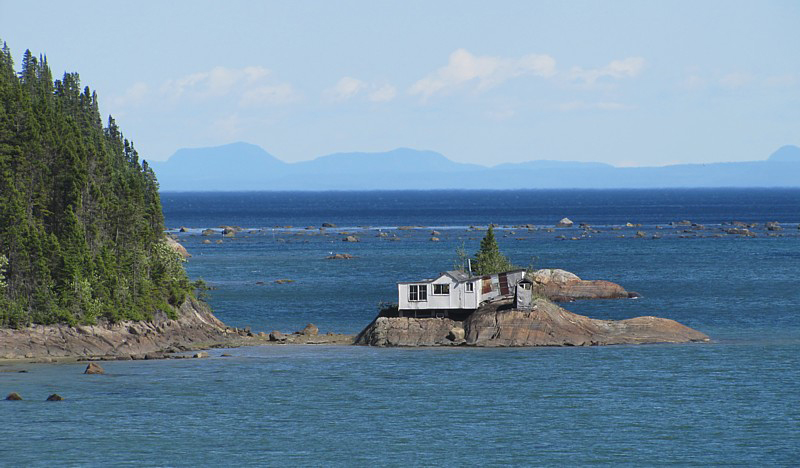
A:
(243, 166)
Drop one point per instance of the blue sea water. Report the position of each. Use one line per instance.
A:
(734, 401)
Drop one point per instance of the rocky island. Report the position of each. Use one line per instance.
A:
(498, 324)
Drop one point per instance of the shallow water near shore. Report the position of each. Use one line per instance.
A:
(733, 401)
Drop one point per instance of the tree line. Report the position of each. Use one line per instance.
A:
(81, 226)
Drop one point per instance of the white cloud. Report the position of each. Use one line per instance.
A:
(252, 84)
(626, 68)
(132, 97)
(483, 72)
(735, 80)
(345, 89)
(383, 93)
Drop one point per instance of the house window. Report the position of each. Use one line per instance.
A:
(441, 289)
(470, 287)
(418, 292)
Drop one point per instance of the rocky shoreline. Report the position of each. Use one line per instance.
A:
(195, 329)
(498, 324)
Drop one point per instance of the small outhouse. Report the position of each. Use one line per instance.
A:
(523, 296)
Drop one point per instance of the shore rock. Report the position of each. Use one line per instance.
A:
(310, 330)
(406, 331)
(546, 324)
(94, 368)
(275, 335)
(563, 286)
(196, 326)
(177, 247)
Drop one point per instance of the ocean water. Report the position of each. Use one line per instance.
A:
(731, 402)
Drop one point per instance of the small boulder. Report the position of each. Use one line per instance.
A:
(565, 223)
(206, 241)
(275, 335)
(328, 225)
(310, 330)
(456, 334)
(641, 234)
(200, 355)
(350, 239)
(94, 368)
(435, 233)
(434, 239)
(219, 241)
(208, 232)
(773, 226)
(183, 229)
(283, 281)
(55, 397)
(13, 396)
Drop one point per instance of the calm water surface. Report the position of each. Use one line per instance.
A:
(734, 401)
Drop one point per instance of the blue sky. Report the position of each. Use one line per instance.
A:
(631, 83)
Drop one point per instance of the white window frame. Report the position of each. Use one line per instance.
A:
(469, 287)
(418, 293)
(446, 293)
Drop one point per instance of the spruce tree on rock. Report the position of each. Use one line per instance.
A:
(488, 259)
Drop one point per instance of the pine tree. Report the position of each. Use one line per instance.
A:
(81, 227)
(488, 259)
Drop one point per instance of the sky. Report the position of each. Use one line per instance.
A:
(630, 83)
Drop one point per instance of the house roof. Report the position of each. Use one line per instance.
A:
(458, 275)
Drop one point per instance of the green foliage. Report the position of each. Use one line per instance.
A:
(81, 226)
(488, 259)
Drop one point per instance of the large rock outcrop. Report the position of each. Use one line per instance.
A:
(563, 286)
(546, 324)
(195, 327)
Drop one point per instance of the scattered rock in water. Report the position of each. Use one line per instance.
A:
(208, 232)
(206, 241)
(183, 229)
(641, 234)
(260, 283)
(226, 355)
(283, 281)
(94, 368)
(565, 223)
(340, 256)
(435, 234)
(13, 396)
(328, 225)
(219, 241)
(434, 239)
(55, 397)
(310, 330)
(350, 239)
(200, 355)
(773, 226)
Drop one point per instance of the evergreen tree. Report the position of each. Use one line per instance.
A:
(81, 227)
(488, 259)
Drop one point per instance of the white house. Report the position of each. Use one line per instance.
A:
(453, 293)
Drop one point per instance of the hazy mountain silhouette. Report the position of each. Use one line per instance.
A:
(242, 166)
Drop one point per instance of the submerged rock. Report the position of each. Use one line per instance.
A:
(546, 324)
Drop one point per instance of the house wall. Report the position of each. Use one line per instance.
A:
(458, 298)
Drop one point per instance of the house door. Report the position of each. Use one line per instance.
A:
(503, 279)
